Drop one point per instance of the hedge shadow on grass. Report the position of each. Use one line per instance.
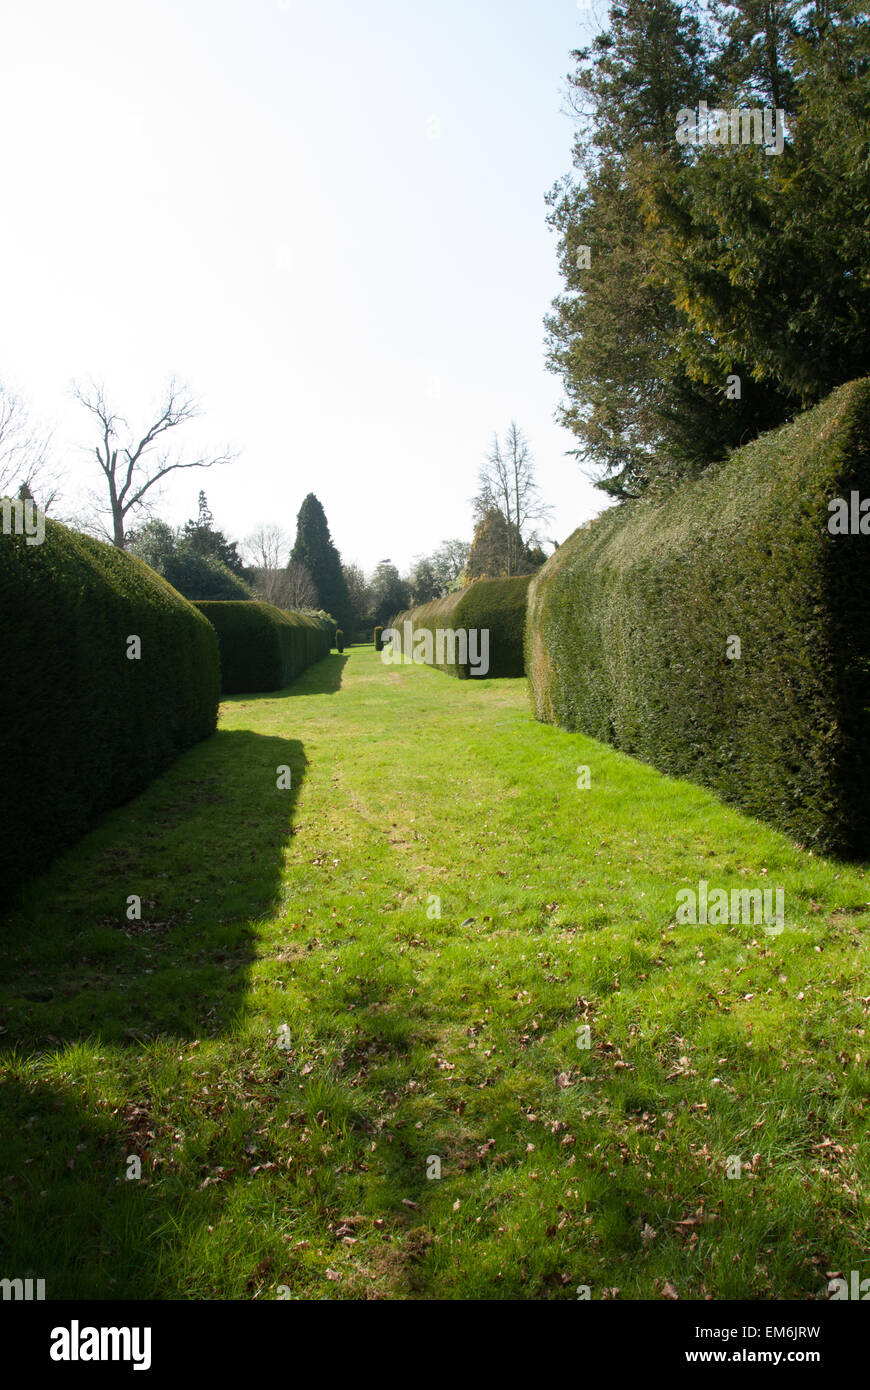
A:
(322, 679)
(65, 1198)
(202, 848)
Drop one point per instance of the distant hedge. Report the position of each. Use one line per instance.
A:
(629, 620)
(496, 605)
(82, 727)
(263, 647)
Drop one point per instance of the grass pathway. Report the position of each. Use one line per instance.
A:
(335, 990)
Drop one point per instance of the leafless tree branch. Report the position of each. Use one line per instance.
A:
(132, 469)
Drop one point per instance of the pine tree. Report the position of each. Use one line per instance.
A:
(314, 548)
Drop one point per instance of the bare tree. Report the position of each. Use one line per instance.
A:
(300, 590)
(266, 551)
(276, 579)
(24, 454)
(132, 469)
(507, 485)
(267, 547)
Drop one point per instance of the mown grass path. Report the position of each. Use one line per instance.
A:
(291, 1036)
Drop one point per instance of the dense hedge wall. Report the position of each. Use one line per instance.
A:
(628, 623)
(497, 605)
(263, 647)
(82, 727)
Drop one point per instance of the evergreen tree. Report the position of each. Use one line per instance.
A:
(492, 549)
(649, 392)
(770, 254)
(314, 548)
(636, 414)
(201, 538)
(194, 574)
(498, 550)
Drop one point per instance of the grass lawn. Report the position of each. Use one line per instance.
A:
(290, 1037)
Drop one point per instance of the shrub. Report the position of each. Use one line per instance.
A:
(628, 624)
(378, 638)
(265, 648)
(339, 640)
(497, 606)
(84, 728)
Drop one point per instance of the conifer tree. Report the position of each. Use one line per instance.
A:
(315, 549)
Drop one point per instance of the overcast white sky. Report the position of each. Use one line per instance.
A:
(247, 193)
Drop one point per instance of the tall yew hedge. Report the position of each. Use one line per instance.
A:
(82, 727)
(629, 621)
(497, 605)
(263, 647)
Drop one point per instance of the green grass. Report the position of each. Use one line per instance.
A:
(298, 1156)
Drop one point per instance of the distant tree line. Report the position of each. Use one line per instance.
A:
(307, 573)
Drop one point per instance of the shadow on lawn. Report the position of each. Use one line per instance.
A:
(202, 849)
(323, 678)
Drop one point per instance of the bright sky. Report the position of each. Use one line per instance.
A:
(327, 217)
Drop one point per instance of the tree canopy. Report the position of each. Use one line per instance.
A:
(712, 290)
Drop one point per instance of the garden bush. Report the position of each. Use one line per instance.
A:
(84, 727)
(379, 644)
(495, 605)
(629, 624)
(263, 647)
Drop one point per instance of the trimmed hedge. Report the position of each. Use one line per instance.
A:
(379, 645)
(263, 647)
(628, 623)
(82, 727)
(497, 605)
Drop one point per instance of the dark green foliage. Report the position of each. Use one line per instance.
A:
(496, 605)
(84, 728)
(628, 624)
(314, 548)
(379, 645)
(201, 538)
(709, 262)
(264, 648)
(339, 640)
(389, 591)
(183, 558)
